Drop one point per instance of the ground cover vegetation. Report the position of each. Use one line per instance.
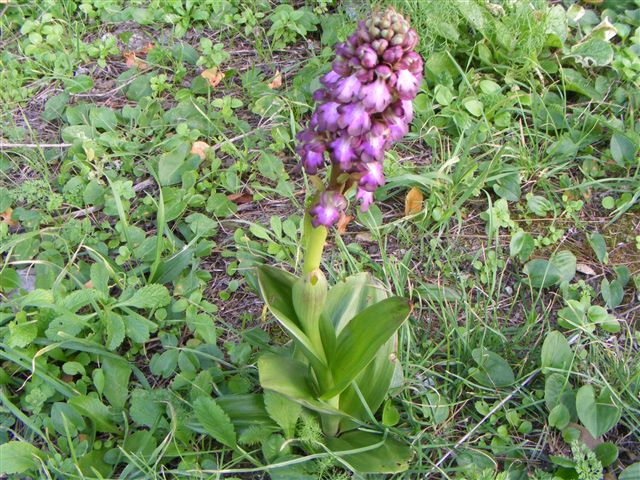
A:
(148, 166)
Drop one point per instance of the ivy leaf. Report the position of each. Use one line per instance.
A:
(215, 421)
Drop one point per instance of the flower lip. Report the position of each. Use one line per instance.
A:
(355, 118)
(343, 151)
(347, 89)
(328, 208)
(375, 96)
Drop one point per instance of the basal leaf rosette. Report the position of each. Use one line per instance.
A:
(364, 106)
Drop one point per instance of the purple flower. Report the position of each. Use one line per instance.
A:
(341, 67)
(365, 197)
(383, 71)
(312, 160)
(328, 117)
(330, 78)
(412, 62)
(393, 54)
(328, 209)
(355, 118)
(368, 56)
(375, 96)
(410, 40)
(373, 176)
(397, 126)
(373, 143)
(347, 89)
(407, 110)
(406, 85)
(343, 151)
(344, 50)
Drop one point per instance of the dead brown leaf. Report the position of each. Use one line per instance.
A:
(585, 269)
(5, 217)
(144, 50)
(240, 198)
(413, 202)
(276, 81)
(200, 148)
(343, 222)
(213, 76)
(131, 60)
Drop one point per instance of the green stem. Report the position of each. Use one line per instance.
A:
(331, 423)
(315, 245)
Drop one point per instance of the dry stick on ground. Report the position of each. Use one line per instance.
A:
(34, 145)
(459, 443)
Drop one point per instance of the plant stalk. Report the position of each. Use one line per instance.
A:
(316, 239)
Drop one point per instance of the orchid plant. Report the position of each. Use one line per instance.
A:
(342, 360)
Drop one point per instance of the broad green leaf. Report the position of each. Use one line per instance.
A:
(596, 240)
(559, 417)
(148, 297)
(362, 337)
(437, 408)
(377, 455)
(593, 52)
(9, 278)
(171, 268)
(521, 245)
(565, 262)
(78, 84)
(116, 388)
(283, 411)
(171, 165)
(54, 106)
(599, 316)
(96, 411)
(632, 472)
(598, 415)
(612, 292)
(542, 273)
(493, 370)
(556, 386)
(18, 457)
(607, 453)
(390, 414)
(292, 379)
(556, 352)
(473, 106)
(245, 410)
(114, 326)
(215, 421)
(275, 287)
(573, 316)
(623, 149)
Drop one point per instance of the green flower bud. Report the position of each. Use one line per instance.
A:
(397, 39)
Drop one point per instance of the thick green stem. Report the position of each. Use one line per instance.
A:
(331, 423)
(316, 238)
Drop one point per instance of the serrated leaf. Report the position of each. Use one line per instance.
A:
(148, 297)
(114, 327)
(215, 421)
(283, 411)
(18, 457)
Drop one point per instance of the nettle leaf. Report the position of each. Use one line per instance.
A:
(215, 421)
(114, 326)
(556, 352)
(598, 415)
(493, 370)
(283, 411)
(19, 457)
(148, 297)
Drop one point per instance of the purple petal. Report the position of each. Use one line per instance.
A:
(375, 96)
(341, 67)
(328, 117)
(393, 54)
(398, 127)
(330, 78)
(355, 118)
(320, 95)
(365, 198)
(374, 142)
(347, 89)
(368, 56)
(407, 107)
(406, 85)
(312, 160)
(383, 71)
(412, 62)
(328, 209)
(410, 40)
(343, 151)
(373, 176)
(344, 50)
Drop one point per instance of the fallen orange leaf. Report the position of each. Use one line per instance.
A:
(200, 148)
(5, 217)
(131, 60)
(144, 50)
(213, 76)
(413, 202)
(343, 222)
(240, 198)
(276, 81)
